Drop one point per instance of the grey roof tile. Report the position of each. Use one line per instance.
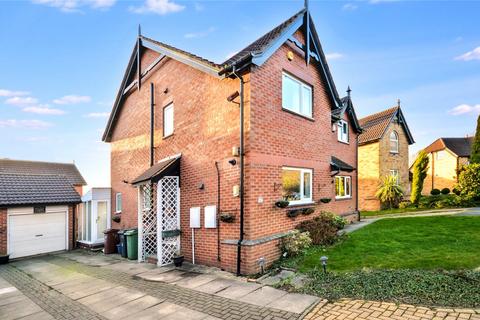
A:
(25, 189)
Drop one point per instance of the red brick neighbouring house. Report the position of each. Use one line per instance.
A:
(300, 143)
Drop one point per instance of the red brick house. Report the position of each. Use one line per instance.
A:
(196, 144)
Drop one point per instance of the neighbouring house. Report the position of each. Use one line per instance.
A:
(94, 217)
(382, 151)
(201, 152)
(446, 156)
(37, 206)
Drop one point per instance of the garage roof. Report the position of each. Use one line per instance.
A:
(29, 189)
(69, 170)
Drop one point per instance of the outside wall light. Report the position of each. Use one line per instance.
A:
(323, 260)
(232, 162)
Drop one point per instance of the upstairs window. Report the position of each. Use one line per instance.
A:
(118, 202)
(393, 142)
(297, 185)
(168, 120)
(296, 96)
(342, 131)
(343, 187)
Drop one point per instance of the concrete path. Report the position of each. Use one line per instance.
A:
(77, 285)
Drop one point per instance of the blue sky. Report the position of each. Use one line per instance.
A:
(61, 62)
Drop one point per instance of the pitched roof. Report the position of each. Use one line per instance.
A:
(338, 164)
(262, 43)
(169, 166)
(462, 147)
(69, 170)
(375, 125)
(23, 189)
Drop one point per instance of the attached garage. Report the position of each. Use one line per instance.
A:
(37, 213)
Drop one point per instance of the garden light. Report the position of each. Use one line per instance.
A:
(323, 260)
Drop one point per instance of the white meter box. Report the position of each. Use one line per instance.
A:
(210, 217)
(195, 217)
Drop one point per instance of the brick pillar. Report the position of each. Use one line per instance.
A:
(3, 230)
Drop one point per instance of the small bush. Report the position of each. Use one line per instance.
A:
(456, 191)
(322, 229)
(435, 192)
(469, 181)
(445, 191)
(296, 242)
(404, 204)
(389, 193)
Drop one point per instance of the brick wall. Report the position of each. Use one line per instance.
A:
(3, 230)
(206, 129)
(71, 240)
(368, 176)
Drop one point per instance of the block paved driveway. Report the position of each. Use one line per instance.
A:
(79, 286)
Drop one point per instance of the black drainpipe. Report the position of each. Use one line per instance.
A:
(218, 210)
(152, 122)
(242, 152)
(356, 180)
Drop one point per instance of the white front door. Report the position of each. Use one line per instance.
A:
(35, 233)
(101, 219)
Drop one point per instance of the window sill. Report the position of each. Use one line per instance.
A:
(391, 152)
(344, 142)
(118, 212)
(166, 137)
(298, 204)
(298, 114)
(342, 198)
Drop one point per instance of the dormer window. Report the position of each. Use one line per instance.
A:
(393, 142)
(296, 96)
(342, 131)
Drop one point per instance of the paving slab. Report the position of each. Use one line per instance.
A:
(160, 311)
(110, 299)
(263, 296)
(162, 276)
(196, 281)
(215, 285)
(184, 313)
(97, 286)
(238, 290)
(132, 268)
(294, 302)
(132, 307)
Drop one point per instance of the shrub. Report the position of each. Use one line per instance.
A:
(420, 168)
(404, 204)
(469, 181)
(296, 242)
(321, 229)
(475, 156)
(435, 192)
(390, 192)
(456, 191)
(445, 191)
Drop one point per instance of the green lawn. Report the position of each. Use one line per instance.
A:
(428, 243)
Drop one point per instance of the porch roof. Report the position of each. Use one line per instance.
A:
(169, 166)
(337, 164)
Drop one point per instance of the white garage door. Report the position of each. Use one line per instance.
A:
(35, 233)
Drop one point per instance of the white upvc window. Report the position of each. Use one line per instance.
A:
(394, 173)
(296, 95)
(168, 120)
(342, 131)
(343, 187)
(297, 185)
(393, 142)
(118, 202)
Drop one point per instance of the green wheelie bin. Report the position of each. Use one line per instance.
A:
(132, 244)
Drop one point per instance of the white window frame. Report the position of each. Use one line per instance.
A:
(395, 173)
(343, 136)
(346, 179)
(395, 140)
(301, 85)
(118, 199)
(165, 120)
(302, 171)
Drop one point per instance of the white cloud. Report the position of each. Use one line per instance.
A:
(465, 109)
(26, 124)
(160, 7)
(43, 109)
(70, 6)
(97, 115)
(198, 6)
(470, 55)
(334, 56)
(200, 34)
(21, 101)
(72, 99)
(349, 7)
(10, 93)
